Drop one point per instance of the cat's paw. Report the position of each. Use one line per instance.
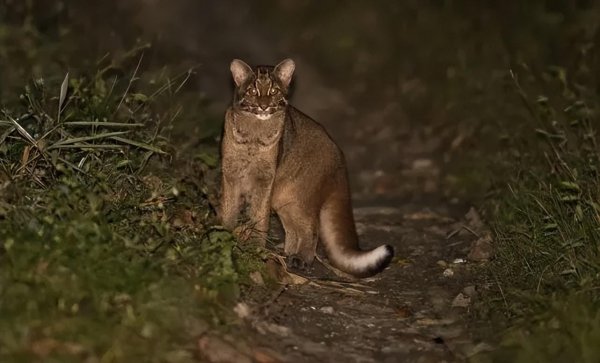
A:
(296, 262)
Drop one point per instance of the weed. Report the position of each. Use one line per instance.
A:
(546, 270)
(107, 251)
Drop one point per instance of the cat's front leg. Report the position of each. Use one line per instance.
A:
(260, 212)
(260, 202)
(231, 201)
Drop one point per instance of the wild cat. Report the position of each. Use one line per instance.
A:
(274, 157)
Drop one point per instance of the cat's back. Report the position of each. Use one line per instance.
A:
(306, 127)
(308, 139)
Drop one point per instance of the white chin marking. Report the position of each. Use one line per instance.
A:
(263, 117)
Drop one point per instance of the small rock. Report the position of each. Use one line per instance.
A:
(458, 261)
(448, 272)
(327, 309)
(481, 249)
(442, 263)
(461, 301)
(242, 310)
(420, 164)
(257, 278)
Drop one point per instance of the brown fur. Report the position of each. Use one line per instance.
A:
(275, 157)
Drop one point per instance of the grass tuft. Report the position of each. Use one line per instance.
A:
(107, 246)
(545, 278)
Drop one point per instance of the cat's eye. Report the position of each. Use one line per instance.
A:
(274, 91)
(252, 91)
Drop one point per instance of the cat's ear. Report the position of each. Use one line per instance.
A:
(240, 71)
(284, 71)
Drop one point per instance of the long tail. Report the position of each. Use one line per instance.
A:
(338, 234)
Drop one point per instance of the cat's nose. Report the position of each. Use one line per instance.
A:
(263, 106)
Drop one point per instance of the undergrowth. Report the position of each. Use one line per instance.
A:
(108, 248)
(545, 277)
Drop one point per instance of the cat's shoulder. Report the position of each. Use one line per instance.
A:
(300, 117)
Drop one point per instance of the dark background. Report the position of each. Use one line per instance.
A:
(402, 86)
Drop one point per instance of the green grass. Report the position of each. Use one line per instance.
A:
(108, 245)
(106, 249)
(545, 213)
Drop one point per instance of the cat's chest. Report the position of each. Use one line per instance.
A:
(251, 146)
(256, 139)
(249, 163)
(253, 134)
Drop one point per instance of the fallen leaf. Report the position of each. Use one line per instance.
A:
(461, 301)
(402, 262)
(216, 350)
(404, 312)
(427, 215)
(482, 249)
(64, 87)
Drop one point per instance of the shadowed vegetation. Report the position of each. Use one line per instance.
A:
(107, 244)
(520, 84)
(107, 240)
(546, 273)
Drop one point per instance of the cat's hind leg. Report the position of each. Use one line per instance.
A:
(301, 234)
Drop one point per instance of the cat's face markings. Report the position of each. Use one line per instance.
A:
(261, 91)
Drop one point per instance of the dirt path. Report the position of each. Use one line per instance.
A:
(415, 311)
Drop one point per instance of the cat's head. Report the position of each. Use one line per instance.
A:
(261, 91)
